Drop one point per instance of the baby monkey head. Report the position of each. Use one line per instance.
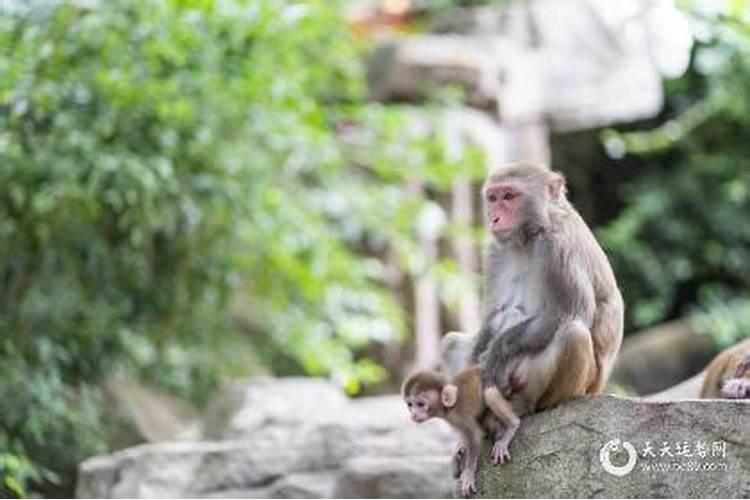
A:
(428, 394)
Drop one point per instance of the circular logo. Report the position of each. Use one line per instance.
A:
(613, 446)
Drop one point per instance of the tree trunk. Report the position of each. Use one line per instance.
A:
(465, 252)
(426, 302)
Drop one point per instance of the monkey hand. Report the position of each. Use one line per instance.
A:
(500, 453)
(736, 388)
(458, 459)
(468, 482)
(459, 450)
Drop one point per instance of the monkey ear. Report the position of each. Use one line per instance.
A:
(556, 186)
(449, 395)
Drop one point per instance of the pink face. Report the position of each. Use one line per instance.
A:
(503, 202)
(422, 405)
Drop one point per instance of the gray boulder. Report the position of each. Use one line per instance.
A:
(403, 477)
(284, 438)
(662, 356)
(243, 407)
(146, 414)
(305, 439)
(294, 485)
(271, 464)
(561, 452)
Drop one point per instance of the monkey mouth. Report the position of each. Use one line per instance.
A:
(417, 419)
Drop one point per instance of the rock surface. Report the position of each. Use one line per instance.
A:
(660, 357)
(401, 477)
(285, 438)
(687, 389)
(147, 414)
(302, 438)
(559, 452)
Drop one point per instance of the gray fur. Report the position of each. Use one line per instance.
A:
(549, 273)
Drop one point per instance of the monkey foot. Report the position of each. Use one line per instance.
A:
(736, 388)
(468, 483)
(500, 453)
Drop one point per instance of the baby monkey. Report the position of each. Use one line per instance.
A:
(462, 402)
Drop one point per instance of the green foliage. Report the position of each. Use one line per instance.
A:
(684, 239)
(16, 471)
(727, 322)
(162, 161)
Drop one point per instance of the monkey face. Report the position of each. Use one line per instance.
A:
(519, 197)
(422, 405)
(504, 201)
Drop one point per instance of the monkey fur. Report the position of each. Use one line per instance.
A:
(463, 403)
(554, 314)
(728, 375)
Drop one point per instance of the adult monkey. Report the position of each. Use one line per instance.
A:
(542, 265)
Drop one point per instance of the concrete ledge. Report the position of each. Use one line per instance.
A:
(560, 452)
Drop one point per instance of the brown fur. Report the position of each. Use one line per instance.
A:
(724, 367)
(569, 288)
(423, 381)
(472, 404)
(469, 403)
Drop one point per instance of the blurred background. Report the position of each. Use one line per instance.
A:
(194, 192)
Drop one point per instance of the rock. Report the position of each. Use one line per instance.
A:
(403, 477)
(147, 414)
(200, 469)
(159, 470)
(694, 386)
(430, 438)
(305, 485)
(286, 446)
(688, 389)
(662, 356)
(272, 455)
(283, 438)
(274, 464)
(375, 414)
(296, 485)
(559, 452)
(243, 407)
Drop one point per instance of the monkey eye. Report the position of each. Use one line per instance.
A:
(492, 198)
(420, 404)
(510, 195)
